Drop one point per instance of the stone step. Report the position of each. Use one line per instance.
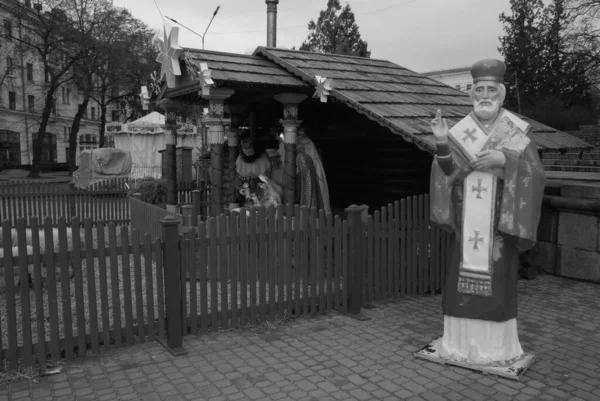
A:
(571, 162)
(588, 169)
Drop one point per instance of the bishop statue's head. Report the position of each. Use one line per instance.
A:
(488, 90)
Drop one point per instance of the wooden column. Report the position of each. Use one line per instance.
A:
(216, 122)
(170, 132)
(232, 142)
(290, 124)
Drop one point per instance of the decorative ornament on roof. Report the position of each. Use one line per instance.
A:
(169, 54)
(323, 86)
(144, 98)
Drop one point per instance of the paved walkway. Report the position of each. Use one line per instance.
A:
(335, 357)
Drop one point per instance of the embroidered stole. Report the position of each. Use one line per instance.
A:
(479, 195)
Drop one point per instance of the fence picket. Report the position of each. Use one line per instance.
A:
(52, 294)
(114, 278)
(213, 276)
(202, 267)
(39, 293)
(160, 288)
(102, 276)
(312, 274)
(223, 266)
(377, 260)
(397, 262)
(338, 261)
(9, 283)
(391, 246)
(320, 259)
(193, 275)
(370, 265)
(24, 287)
(281, 268)
(346, 278)
(252, 274)
(271, 261)
(80, 308)
(402, 256)
(262, 264)
(126, 272)
(137, 274)
(297, 257)
(243, 267)
(305, 257)
(65, 281)
(183, 276)
(91, 282)
(234, 253)
(384, 253)
(329, 262)
(287, 265)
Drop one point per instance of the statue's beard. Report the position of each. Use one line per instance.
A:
(486, 109)
(248, 152)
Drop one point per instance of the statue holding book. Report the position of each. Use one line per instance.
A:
(487, 185)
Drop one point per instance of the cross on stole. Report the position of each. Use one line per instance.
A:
(470, 135)
(479, 188)
(477, 240)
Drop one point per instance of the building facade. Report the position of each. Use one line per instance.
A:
(458, 78)
(22, 95)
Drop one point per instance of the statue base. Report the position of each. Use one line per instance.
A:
(513, 371)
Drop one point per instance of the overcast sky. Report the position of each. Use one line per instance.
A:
(422, 35)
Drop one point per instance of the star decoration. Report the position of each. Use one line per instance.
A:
(324, 85)
(144, 98)
(169, 54)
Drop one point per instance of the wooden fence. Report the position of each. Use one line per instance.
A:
(145, 218)
(228, 271)
(106, 201)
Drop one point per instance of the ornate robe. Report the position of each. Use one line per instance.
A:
(493, 215)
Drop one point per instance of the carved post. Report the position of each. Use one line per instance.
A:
(290, 124)
(170, 132)
(216, 122)
(232, 142)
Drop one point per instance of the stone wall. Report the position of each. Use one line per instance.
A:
(569, 233)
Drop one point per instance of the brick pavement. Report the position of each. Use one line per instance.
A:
(335, 357)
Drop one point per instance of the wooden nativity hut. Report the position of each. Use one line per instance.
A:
(368, 118)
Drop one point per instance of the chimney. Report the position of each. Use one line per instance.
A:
(272, 22)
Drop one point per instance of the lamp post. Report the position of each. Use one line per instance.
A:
(196, 33)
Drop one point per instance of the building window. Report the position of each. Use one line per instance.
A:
(29, 72)
(114, 115)
(88, 141)
(457, 87)
(64, 95)
(66, 133)
(54, 106)
(85, 114)
(93, 113)
(31, 103)
(8, 30)
(10, 67)
(469, 86)
(12, 100)
(68, 95)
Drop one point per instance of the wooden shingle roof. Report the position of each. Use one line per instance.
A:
(238, 68)
(396, 97)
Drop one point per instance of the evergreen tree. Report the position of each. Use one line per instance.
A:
(540, 55)
(520, 47)
(335, 32)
